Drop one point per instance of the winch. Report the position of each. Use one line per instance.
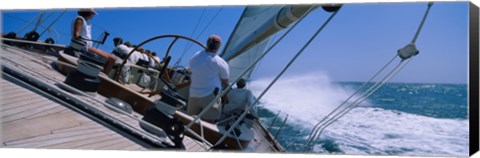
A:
(85, 77)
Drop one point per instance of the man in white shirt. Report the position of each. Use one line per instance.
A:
(151, 61)
(136, 55)
(156, 59)
(120, 50)
(238, 100)
(144, 56)
(209, 76)
(82, 31)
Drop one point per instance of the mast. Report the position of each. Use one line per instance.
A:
(253, 32)
(260, 23)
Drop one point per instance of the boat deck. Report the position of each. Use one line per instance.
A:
(33, 121)
(34, 118)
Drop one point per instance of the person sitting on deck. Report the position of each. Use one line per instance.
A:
(209, 76)
(238, 100)
(151, 61)
(128, 44)
(156, 59)
(121, 50)
(82, 32)
(135, 56)
(143, 58)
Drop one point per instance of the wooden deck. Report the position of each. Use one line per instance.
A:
(32, 119)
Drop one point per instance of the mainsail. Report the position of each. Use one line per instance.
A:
(253, 33)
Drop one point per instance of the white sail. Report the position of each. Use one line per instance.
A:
(241, 62)
(253, 32)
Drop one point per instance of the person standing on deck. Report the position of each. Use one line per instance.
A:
(82, 30)
(209, 76)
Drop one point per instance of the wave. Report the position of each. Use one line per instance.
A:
(378, 131)
(310, 96)
(364, 130)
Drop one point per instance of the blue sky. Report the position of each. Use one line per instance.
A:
(356, 43)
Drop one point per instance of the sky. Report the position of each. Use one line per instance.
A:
(358, 41)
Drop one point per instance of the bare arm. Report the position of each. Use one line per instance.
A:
(77, 28)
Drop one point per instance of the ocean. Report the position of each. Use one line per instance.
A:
(409, 119)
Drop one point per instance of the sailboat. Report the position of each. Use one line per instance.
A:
(107, 104)
(86, 102)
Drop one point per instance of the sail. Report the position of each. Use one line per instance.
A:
(253, 32)
(243, 61)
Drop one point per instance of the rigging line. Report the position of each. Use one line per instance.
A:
(41, 20)
(100, 36)
(105, 30)
(98, 39)
(54, 32)
(315, 128)
(54, 21)
(413, 41)
(393, 73)
(28, 23)
(223, 92)
(367, 93)
(423, 21)
(42, 26)
(281, 73)
(208, 24)
(337, 116)
(191, 35)
(201, 32)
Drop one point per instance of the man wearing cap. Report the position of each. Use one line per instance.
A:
(238, 100)
(82, 30)
(209, 76)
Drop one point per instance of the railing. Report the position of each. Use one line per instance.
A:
(280, 128)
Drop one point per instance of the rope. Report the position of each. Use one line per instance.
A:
(344, 102)
(42, 26)
(40, 21)
(319, 127)
(243, 73)
(340, 114)
(201, 32)
(191, 35)
(365, 96)
(28, 23)
(54, 21)
(279, 75)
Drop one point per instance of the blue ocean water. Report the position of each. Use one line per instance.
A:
(398, 119)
